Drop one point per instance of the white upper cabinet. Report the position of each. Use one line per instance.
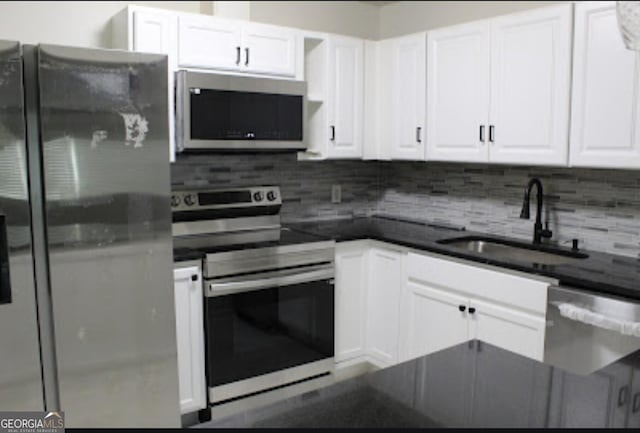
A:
(154, 32)
(408, 83)
(498, 90)
(530, 86)
(206, 42)
(217, 43)
(605, 116)
(269, 49)
(458, 93)
(345, 96)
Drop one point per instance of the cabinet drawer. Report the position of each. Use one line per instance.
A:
(479, 283)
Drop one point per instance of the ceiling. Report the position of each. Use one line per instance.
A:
(379, 3)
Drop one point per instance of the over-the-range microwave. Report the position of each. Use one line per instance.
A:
(218, 112)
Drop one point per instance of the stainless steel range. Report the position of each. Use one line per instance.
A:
(269, 294)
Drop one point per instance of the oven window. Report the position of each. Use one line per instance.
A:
(263, 331)
(232, 115)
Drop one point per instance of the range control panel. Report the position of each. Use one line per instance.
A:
(202, 199)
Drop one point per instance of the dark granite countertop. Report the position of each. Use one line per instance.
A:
(600, 272)
(470, 385)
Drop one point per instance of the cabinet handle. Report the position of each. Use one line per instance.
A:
(462, 308)
(482, 138)
(636, 403)
(333, 133)
(472, 310)
(237, 55)
(623, 395)
(491, 133)
(418, 130)
(194, 277)
(246, 61)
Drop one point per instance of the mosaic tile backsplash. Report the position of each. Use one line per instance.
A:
(599, 207)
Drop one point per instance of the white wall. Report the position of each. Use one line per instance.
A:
(79, 23)
(345, 17)
(406, 17)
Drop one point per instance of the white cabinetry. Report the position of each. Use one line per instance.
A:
(190, 338)
(605, 118)
(151, 31)
(458, 89)
(383, 305)
(350, 300)
(447, 303)
(530, 86)
(345, 79)
(513, 71)
(207, 42)
(218, 43)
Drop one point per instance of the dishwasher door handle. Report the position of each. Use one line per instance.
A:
(588, 317)
(268, 280)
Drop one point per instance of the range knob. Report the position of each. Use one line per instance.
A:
(257, 196)
(189, 200)
(175, 200)
(271, 195)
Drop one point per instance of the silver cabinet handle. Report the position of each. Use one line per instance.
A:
(246, 61)
(237, 55)
(635, 406)
(482, 137)
(269, 280)
(418, 130)
(623, 396)
(491, 133)
(333, 133)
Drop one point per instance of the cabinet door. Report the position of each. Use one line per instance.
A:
(156, 32)
(383, 305)
(604, 114)
(508, 328)
(530, 86)
(206, 42)
(269, 50)
(350, 301)
(409, 97)
(345, 83)
(458, 89)
(190, 337)
(153, 32)
(432, 320)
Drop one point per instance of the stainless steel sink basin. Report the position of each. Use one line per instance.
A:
(517, 251)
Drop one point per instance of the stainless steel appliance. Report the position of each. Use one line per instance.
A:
(269, 292)
(86, 304)
(587, 331)
(227, 112)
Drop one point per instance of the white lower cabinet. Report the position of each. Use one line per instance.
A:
(350, 300)
(190, 338)
(447, 303)
(383, 305)
(393, 305)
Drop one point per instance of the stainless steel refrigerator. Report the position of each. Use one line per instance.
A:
(87, 320)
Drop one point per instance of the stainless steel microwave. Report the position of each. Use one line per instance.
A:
(230, 112)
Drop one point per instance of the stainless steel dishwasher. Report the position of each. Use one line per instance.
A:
(588, 331)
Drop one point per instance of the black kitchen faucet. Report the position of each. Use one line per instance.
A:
(538, 231)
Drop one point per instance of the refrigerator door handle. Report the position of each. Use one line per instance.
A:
(5, 277)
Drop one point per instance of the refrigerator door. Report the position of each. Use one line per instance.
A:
(105, 141)
(20, 376)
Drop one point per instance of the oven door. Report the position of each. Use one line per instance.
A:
(268, 329)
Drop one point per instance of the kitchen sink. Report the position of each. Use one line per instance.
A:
(513, 250)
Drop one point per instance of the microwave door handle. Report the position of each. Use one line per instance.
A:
(284, 279)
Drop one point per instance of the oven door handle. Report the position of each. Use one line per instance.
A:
(269, 280)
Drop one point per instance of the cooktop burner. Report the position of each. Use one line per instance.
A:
(287, 237)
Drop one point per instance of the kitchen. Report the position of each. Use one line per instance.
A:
(383, 238)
